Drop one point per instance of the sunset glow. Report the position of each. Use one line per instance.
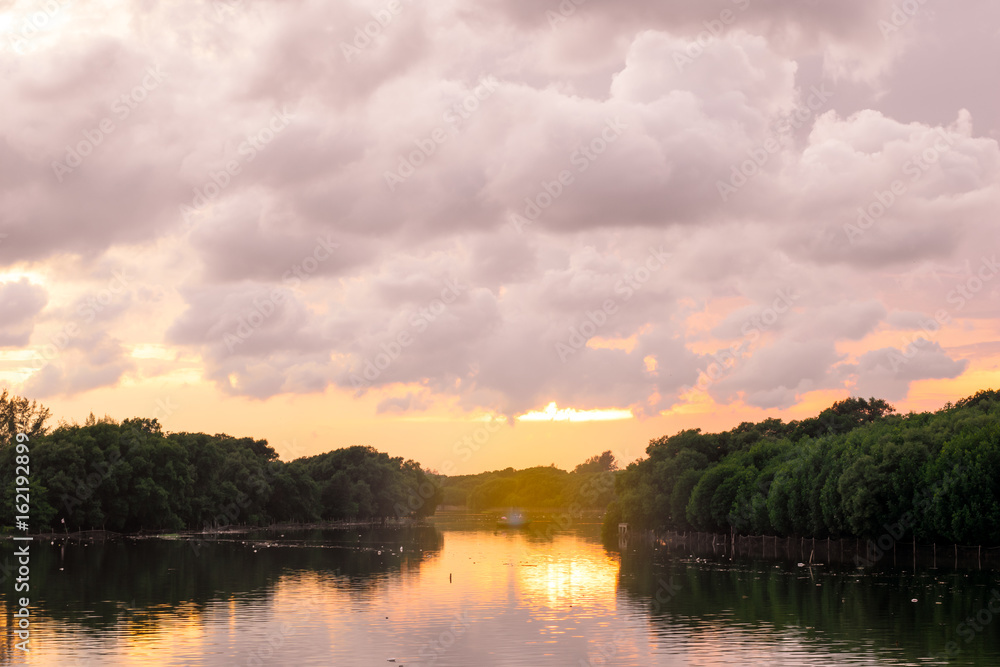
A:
(554, 414)
(488, 213)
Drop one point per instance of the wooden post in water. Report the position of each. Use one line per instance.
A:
(956, 555)
(935, 555)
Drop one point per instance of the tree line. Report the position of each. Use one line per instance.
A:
(590, 486)
(130, 476)
(858, 469)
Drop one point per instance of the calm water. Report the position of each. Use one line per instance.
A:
(461, 593)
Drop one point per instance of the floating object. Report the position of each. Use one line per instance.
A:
(515, 521)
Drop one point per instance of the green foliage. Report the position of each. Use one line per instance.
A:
(132, 477)
(856, 469)
(18, 415)
(603, 462)
(591, 485)
(360, 482)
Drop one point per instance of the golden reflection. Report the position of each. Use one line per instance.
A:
(146, 634)
(570, 579)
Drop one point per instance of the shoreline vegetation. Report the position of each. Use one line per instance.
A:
(858, 470)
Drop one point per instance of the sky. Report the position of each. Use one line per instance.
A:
(496, 233)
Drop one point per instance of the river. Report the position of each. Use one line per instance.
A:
(459, 592)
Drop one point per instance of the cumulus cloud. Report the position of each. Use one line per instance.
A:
(499, 206)
(20, 303)
(87, 362)
(888, 372)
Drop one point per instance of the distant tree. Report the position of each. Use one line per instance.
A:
(17, 415)
(984, 396)
(843, 417)
(604, 462)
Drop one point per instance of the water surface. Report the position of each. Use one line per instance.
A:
(460, 592)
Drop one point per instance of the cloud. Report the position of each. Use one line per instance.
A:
(304, 198)
(888, 372)
(87, 362)
(20, 303)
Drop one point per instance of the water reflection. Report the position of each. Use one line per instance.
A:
(810, 615)
(461, 592)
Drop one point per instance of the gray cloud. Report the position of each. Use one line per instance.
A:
(888, 372)
(20, 303)
(593, 133)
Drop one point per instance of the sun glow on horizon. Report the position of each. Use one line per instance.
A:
(553, 413)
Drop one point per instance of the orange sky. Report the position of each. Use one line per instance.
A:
(301, 426)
